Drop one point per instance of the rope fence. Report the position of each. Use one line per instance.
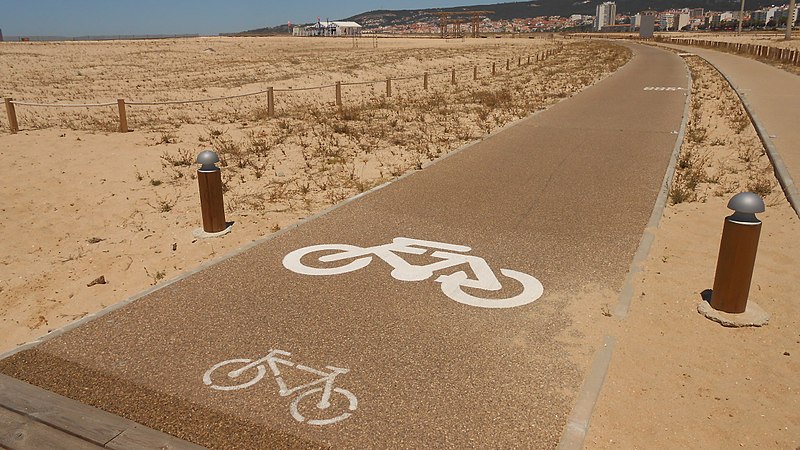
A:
(122, 104)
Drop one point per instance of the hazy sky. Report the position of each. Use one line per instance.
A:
(108, 17)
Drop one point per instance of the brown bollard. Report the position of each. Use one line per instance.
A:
(338, 93)
(508, 64)
(475, 73)
(519, 61)
(209, 178)
(388, 87)
(494, 68)
(123, 116)
(529, 60)
(12, 116)
(425, 81)
(453, 77)
(737, 254)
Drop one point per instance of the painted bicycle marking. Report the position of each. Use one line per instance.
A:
(449, 255)
(252, 371)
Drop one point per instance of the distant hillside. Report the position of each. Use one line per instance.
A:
(506, 11)
(521, 10)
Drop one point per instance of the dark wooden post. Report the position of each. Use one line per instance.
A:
(12, 116)
(453, 76)
(475, 73)
(494, 69)
(123, 116)
(388, 87)
(270, 102)
(425, 81)
(338, 93)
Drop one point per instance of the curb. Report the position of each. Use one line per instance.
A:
(626, 295)
(577, 425)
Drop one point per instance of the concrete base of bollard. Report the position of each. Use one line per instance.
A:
(753, 316)
(199, 233)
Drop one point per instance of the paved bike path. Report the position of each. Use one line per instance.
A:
(563, 196)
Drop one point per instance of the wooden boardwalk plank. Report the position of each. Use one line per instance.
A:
(140, 437)
(92, 424)
(36, 416)
(18, 432)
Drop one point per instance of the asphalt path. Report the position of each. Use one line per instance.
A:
(562, 196)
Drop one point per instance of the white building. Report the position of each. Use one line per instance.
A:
(328, 29)
(681, 20)
(606, 15)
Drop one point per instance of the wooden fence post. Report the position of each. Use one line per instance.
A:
(475, 73)
(123, 116)
(388, 87)
(12, 116)
(338, 93)
(453, 76)
(270, 102)
(493, 68)
(508, 64)
(519, 61)
(425, 81)
(529, 60)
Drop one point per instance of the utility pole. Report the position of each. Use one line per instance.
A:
(790, 19)
(741, 18)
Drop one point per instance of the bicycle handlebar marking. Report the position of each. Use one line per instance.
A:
(219, 373)
(449, 255)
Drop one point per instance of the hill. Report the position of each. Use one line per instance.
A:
(520, 10)
(536, 8)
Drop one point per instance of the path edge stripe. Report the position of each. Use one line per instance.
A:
(626, 294)
(780, 169)
(578, 424)
(109, 309)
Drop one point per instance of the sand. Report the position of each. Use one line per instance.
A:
(83, 201)
(677, 379)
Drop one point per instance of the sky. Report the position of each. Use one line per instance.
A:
(207, 17)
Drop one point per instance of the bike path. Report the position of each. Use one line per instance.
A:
(773, 97)
(563, 196)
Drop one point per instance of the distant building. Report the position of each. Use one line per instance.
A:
(606, 14)
(326, 28)
(681, 19)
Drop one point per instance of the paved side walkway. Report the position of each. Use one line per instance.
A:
(273, 349)
(773, 97)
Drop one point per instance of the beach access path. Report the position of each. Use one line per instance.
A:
(772, 97)
(382, 352)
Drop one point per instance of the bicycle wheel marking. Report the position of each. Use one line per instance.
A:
(337, 259)
(242, 373)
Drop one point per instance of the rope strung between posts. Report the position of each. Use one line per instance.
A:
(213, 99)
(62, 105)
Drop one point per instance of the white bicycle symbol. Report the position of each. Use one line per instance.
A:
(256, 372)
(451, 284)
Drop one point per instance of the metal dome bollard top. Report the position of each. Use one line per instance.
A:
(737, 254)
(209, 177)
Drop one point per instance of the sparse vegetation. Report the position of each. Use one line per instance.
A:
(718, 157)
